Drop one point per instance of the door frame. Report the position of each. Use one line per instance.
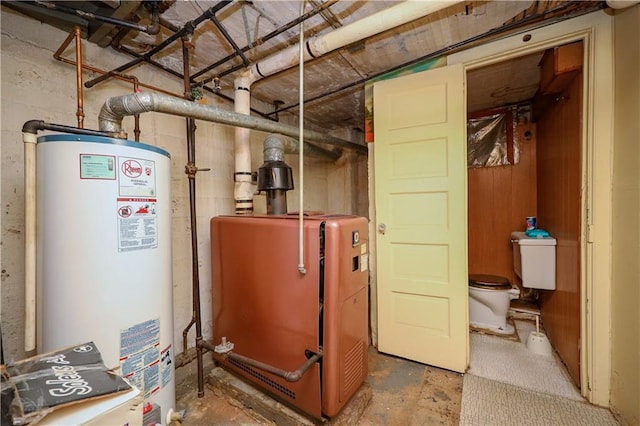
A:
(595, 30)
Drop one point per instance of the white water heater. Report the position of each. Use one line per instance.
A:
(104, 256)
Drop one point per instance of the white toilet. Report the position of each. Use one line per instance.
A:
(489, 299)
(534, 261)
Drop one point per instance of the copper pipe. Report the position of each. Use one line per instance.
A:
(80, 111)
(58, 56)
(118, 77)
(77, 34)
(64, 44)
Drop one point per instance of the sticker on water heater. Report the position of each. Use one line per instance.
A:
(137, 177)
(95, 166)
(140, 356)
(137, 223)
(166, 366)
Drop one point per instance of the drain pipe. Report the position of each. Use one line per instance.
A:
(371, 25)
(29, 139)
(80, 111)
(243, 189)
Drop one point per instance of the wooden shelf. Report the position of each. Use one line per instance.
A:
(559, 66)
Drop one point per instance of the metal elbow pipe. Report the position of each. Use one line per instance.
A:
(33, 126)
(116, 108)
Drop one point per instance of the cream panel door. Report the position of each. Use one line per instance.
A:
(421, 209)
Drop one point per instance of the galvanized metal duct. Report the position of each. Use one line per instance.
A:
(116, 108)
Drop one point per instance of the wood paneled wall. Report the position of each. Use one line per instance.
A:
(500, 199)
(559, 212)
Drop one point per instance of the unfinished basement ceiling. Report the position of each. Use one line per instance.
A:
(333, 83)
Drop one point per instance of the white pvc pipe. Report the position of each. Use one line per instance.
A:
(30, 141)
(373, 24)
(301, 267)
(243, 190)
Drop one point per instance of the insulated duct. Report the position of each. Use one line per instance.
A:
(356, 31)
(118, 107)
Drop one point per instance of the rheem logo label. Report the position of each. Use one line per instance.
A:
(131, 168)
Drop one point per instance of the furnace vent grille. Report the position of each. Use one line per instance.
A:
(277, 386)
(353, 367)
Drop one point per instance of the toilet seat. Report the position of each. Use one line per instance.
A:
(489, 282)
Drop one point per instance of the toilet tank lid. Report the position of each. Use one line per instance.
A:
(522, 239)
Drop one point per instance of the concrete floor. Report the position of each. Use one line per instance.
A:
(403, 393)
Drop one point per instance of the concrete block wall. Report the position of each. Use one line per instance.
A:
(36, 86)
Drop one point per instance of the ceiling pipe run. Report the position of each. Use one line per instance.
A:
(118, 107)
(187, 28)
(356, 31)
(152, 29)
(529, 22)
(318, 9)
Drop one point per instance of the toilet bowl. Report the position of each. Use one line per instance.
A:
(489, 299)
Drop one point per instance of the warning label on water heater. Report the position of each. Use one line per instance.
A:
(137, 223)
(140, 356)
(137, 218)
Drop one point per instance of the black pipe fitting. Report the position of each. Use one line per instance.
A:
(34, 126)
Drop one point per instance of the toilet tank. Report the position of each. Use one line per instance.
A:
(534, 260)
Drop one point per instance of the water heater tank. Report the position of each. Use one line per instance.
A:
(104, 255)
